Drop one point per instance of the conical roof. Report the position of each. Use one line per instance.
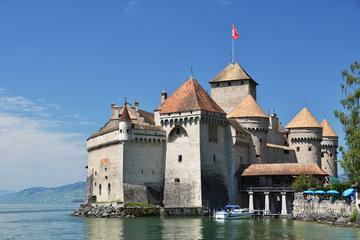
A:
(304, 119)
(328, 131)
(247, 108)
(125, 116)
(232, 72)
(189, 96)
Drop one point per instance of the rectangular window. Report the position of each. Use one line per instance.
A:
(180, 158)
(297, 149)
(309, 148)
(213, 132)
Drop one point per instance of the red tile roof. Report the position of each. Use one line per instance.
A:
(125, 116)
(275, 169)
(189, 96)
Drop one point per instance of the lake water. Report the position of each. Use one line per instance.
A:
(54, 222)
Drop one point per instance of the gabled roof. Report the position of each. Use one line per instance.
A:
(304, 119)
(247, 108)
(189, 96)
(277, 169)
(232, 72)
(328, 131)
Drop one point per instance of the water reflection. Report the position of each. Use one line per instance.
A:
(102, 228)
(204, 228)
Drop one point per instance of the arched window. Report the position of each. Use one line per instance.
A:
(109, 188)
(99, 189)
(178, 133)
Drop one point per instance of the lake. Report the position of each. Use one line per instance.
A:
(20, 221)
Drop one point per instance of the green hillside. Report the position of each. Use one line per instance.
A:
(64, 194)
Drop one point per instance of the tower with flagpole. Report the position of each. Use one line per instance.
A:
(234, 36)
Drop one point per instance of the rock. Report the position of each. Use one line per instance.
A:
(341, 220)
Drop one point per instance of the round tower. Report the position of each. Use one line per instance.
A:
(124, 125)
(329, 145)
(305, 135)
(252, 118)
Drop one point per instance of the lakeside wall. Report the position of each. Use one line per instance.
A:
(327, 210)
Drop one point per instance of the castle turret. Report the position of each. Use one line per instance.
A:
(305, 135)
(329, 145)
(124, 125)
(231, 86)
(251, 117)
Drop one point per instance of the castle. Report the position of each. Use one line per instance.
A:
(198, 151)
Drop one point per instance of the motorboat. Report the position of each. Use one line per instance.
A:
(232, 211)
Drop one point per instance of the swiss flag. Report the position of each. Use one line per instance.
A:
(234, 33)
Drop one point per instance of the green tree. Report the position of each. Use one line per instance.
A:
(350, 120)
(304, 182)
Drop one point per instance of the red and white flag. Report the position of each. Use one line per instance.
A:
(234, 32)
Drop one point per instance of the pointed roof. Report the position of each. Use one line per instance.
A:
(125, 116)
(232, 72)
(189, 96)
(328, 131)
(304, 119)
(247, 108)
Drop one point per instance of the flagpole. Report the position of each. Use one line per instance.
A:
(232, 51)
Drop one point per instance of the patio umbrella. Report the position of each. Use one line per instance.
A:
(308, 192)
(319, 192)
(332, 192)
(348, 192)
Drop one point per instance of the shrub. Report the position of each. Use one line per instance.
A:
(305, 182)
(354, 215)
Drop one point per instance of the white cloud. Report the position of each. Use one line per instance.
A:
(131, 8)
(19, 103)
(33, 155)
(225, 2)
(36, 149)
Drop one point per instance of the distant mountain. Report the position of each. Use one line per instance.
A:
(64, 194)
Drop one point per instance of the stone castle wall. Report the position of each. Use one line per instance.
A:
(214, 168)
(105, 168)
(306, 143)
(182, 186)
(229, 96)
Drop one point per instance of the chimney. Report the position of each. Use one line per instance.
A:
(163, 97)
(114, 111)
(274, 122)
(136, 104)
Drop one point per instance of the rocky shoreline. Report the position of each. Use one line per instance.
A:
(325, 211)
(115, 212)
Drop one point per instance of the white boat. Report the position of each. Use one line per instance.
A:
(232, 211)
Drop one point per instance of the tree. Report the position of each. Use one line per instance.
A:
(350, 120)
(304, 182)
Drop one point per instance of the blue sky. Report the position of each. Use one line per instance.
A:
(62, 63)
